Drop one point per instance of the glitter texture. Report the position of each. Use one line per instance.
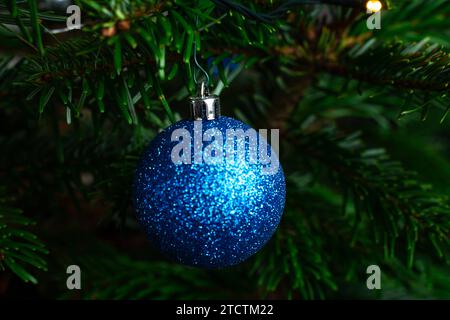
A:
(206, 215)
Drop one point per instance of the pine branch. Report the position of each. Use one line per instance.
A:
(410, 66)
(110, 274)
(294, 263)
(19, 248)
(283, 8)
(413, 21)
(417, 70)
(124, 55)
(388, 198)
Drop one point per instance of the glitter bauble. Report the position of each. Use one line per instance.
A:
(204, 213)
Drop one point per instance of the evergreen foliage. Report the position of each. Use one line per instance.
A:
(364, 127)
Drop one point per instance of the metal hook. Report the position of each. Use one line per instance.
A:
(196, 61)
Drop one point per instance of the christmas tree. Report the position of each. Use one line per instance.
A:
(359, 91)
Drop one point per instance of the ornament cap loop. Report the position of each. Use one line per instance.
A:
(204, 106)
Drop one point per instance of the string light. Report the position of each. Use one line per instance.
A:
(374, 6)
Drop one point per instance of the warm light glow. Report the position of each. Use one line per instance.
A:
(374, 6)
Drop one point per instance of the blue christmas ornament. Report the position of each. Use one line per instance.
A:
(206, 194)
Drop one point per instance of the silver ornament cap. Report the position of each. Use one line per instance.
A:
(204, 106)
